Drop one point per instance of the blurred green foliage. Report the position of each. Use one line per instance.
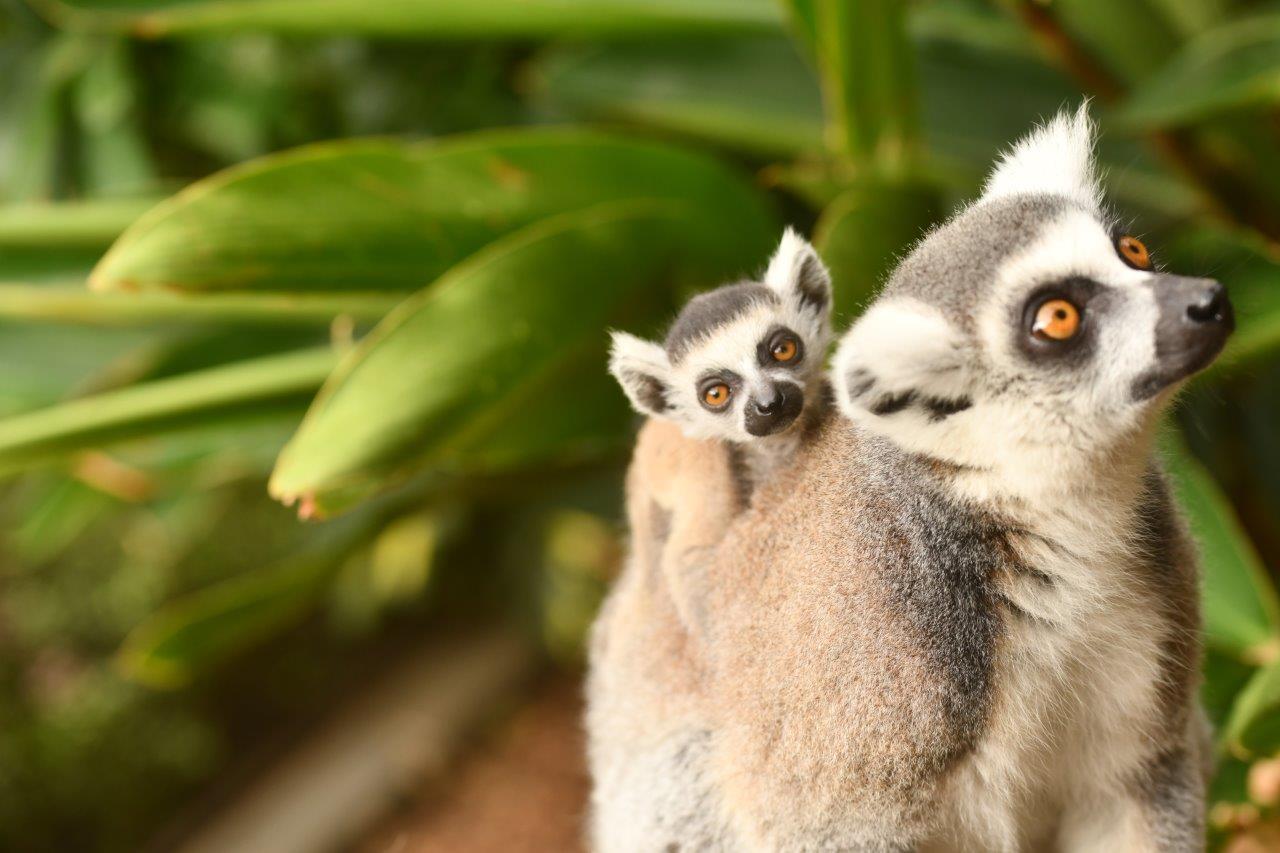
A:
(211, 276)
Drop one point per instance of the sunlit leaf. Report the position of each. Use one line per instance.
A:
(477, 352)
(1241, 610)
(393, 216)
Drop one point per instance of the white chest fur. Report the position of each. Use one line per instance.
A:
(1076, 681)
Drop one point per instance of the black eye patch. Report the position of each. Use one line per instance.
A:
(770, 343)
(709, 380)
(1089, 298)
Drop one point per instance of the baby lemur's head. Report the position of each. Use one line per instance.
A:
(1029, 329)
(739, 360)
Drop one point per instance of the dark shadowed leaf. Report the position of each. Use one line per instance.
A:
(1254, 725)
(864, 232)
(393, 216)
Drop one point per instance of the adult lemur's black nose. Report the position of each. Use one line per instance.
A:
(1195, 319)
(773, 408)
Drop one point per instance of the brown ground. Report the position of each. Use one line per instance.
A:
(522, 791)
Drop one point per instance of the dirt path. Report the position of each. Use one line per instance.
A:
(521, 791)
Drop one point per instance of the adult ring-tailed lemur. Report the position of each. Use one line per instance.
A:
(963, 615)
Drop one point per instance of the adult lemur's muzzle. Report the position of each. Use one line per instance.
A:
(1195, 320)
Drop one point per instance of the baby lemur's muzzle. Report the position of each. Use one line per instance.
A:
(774, 408)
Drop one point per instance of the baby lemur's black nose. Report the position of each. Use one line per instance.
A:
(769, 402)
(773, 409)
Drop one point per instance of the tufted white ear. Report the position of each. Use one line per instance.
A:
(1055, 158)
(901, 355)
(643, 370)
(795, 270)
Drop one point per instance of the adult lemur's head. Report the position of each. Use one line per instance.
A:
(1029, 327)
(739, 360)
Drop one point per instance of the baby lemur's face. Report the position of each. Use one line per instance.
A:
(740, 361)
(1028, 322)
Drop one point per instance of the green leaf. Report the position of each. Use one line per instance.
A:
(1231, 67)
(79, 306)
(752, 92)
(864, 232)
(1241, 610)
(1254, 725)
(488, 19)
(393, 216)
(254, 388)
(476, 354)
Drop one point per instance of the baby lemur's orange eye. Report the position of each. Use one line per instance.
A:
(716, 395)
(784, 349)
(1056, 320)
(1134, 252)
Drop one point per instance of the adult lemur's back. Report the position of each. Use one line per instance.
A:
(967, 619)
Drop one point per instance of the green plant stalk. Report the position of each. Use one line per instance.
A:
(256, 387)
(79, 306)
(869, 83)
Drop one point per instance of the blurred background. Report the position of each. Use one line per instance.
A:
(309, 464)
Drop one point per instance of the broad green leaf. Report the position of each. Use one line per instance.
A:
(254, 388)
(1254, 725)
(1241, 610)
(1233, 66)
(864, 232)
(393, 216)
(1104, 30)
(476, 353)
(76, 305)
(755, 92)
(427, 18)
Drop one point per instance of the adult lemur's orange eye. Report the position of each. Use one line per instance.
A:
(785, 349)
(1056, 320)
(1134, 252)
(716, 395)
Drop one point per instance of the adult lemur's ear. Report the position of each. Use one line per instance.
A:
(1054, 159)
(902, 357)
(643, 370)
(796, 270)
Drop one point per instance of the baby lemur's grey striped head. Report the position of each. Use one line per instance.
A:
(739, 360)
(1027, 322)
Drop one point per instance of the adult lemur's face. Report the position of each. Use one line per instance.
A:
(1028, 321)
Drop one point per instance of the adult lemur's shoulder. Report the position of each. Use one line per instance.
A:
(966, 619)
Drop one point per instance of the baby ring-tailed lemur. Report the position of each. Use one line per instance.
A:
(740, 362)
(967, 619)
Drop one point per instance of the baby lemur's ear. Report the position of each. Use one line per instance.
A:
(643, 370)
(902, 357)
(796, 270)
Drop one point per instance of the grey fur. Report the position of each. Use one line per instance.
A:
(706, 312)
